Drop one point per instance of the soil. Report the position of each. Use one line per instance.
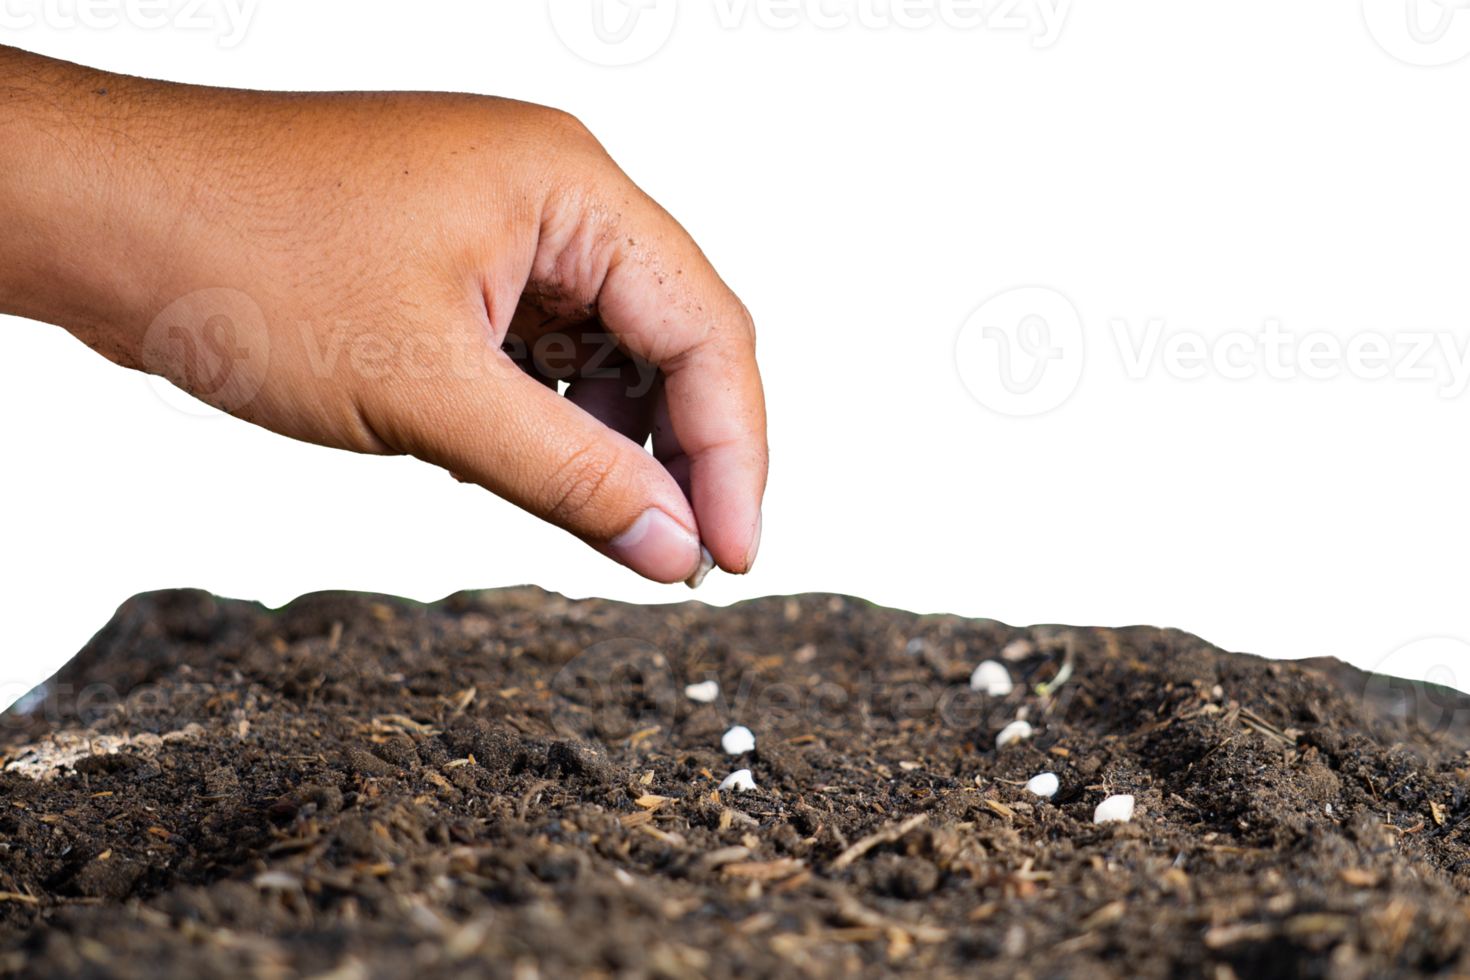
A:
(514, 784)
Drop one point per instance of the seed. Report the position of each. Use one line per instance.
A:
(724, 855)
(277, 880)
(1045, 784)
(739, 780)
(1018, 650)
(704, 692)
(992, 678)
(738, 740)
(1014, 732)
(706, 565)
(1114, 809)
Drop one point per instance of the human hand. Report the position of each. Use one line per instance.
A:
(345, 269)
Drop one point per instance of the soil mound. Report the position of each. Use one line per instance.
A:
(514, 784)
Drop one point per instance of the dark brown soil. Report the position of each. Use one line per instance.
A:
(513, 784)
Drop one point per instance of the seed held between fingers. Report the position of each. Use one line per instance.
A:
(706, 565)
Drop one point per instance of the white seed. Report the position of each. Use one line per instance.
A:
(705, 566)
(739, 780)
(1017, 650)
(279, 880)
(1114, 809)
(992, 678)
(1045, 785)
(1013, 732)
(738, 740)
(703, 692)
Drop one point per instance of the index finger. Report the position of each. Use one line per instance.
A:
(665, 301)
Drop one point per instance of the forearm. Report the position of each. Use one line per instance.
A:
(70, 228)
(112, 188)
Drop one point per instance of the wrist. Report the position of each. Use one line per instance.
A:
(77, 202)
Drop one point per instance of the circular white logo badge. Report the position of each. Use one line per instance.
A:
(1420, 32)
(1423, 684)
(1022, 352)
(212, 344)
(180, 400)
(614, 32)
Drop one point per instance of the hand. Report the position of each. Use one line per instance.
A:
(398, 273)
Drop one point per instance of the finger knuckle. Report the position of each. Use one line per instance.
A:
(745, 324)
(567, 131)
(578, 485)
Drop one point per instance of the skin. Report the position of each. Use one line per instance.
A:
(399, 257)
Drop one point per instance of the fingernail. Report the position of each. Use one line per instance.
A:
(657, 547)
(755, 542)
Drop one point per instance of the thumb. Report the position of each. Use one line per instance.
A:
(523, 442)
